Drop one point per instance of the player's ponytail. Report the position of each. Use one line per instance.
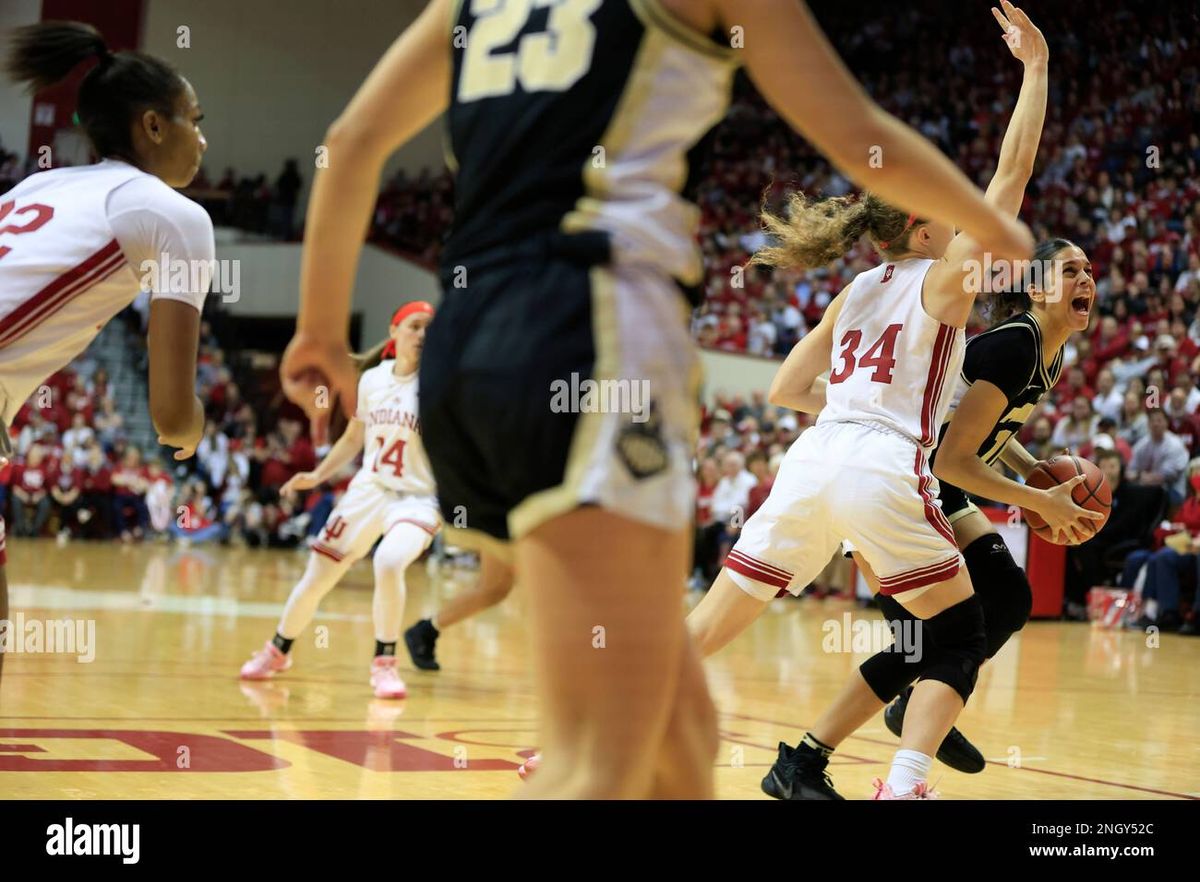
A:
(364, 361)
(112, 94)
(1015, 300)
(817, 232)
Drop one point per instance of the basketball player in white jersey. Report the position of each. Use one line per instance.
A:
(77, 244)
(893, 342)
(559, 266)
(392, 496)
(1007, 357)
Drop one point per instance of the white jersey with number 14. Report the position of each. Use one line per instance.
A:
(393, 453)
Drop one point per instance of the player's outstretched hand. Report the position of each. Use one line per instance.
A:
(1021, 35)
(316, 374)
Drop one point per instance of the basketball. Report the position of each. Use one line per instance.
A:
(1093, 493)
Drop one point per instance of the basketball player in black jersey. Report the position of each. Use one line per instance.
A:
(1007, 370)
(570, 262)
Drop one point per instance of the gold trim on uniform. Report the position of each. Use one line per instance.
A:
(447, 147)
(969, 509)
(654, 14)
(545, 505)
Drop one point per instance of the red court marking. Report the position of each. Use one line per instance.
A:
(377, 751)
(21, 748)
(206, 753)
(454, 736)
(1002, 765)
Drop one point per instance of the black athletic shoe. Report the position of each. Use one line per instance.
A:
(793, 777)
(421, 639)
(956, 751)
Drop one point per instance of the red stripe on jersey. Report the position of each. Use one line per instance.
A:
(942, 348)
(909, 574)
(752, 568)
(64, 288)
(933, 512)
(328, 552)
(928, 576)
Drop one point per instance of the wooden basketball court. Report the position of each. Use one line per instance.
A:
(1066, 711)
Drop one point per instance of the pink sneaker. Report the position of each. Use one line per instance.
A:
(919, 791)
(266, 663)
(384, 678)
(530, 766)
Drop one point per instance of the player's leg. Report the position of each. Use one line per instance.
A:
(351, 531)
(611, 660)
(494, 584)
(785, 544)
(1006, 599)
(894, 520)
(725, 611)
(400, 547)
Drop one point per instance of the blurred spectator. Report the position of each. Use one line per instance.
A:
(31, 493)
(1133, 424)
(1180, 420)
(66, 491)
(1160, 459)
(196, 521)
(1108, 398)
(1041, 446)
(1161, 570)
(758, 465)
(159, 490)
(129, 496)
(1073, 431)
(731, 497)
(1106, 438)
(97, 496)
(1135, 513)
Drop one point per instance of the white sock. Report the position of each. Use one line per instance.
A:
(909, 767)
(433, 621)
(1152, 609)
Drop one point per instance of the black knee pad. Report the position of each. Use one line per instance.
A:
(1002, 588)
(955, 646)
(889, 673)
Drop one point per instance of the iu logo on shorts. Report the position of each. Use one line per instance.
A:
(335, 528)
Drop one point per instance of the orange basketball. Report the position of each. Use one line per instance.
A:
(1093, 493)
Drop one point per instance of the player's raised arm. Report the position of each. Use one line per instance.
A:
(1019, 149)
(956, 276)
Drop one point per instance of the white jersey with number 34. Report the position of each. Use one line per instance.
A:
(393, 453)
(893, 363)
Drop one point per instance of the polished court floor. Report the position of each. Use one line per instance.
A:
(146, 703)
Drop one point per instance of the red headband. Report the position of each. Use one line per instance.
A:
(409, 309)
(911, 218)
(417, 306)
